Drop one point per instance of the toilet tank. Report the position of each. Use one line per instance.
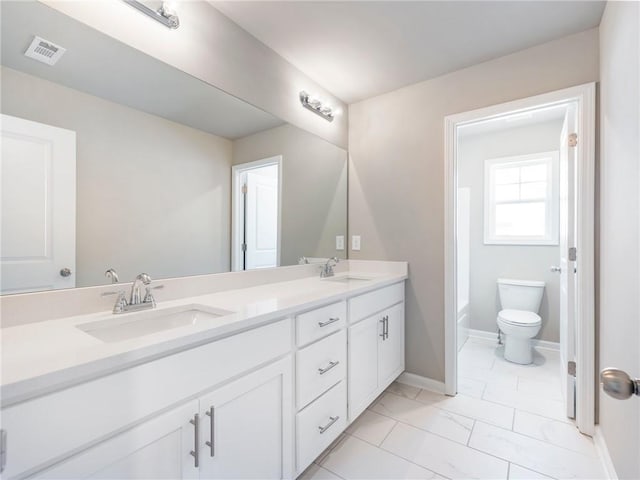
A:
(520, 294)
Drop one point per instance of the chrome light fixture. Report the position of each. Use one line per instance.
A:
(316, 106)
(166, 15)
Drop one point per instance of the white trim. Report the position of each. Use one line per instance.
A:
(583, 96)
(551, 200)
(236, 213)
(484, 335)
(419, 381)
(603, 453)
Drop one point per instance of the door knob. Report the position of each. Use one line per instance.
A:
(555, 269)
(65, 272)
(619, 384)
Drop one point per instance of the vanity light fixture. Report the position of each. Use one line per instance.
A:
(315, 105)
(166, 14)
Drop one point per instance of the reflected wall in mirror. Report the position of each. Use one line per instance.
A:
(113, 159)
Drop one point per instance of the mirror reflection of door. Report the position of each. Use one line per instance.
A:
(38, 206)
(256, 214)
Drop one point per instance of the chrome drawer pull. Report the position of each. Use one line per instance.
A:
(324, 370)
(209, 443)
(195, 453)
(384, 331)
(329, 322)
(332, 420)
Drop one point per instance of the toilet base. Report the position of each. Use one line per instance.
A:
(518, 350)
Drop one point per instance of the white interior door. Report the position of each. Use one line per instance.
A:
(38, 206)
(261, 215)
(567, 265)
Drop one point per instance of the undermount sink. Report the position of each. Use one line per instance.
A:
(348, 279)
(117, 328)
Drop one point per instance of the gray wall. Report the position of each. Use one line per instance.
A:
(314, 177)
(152, 195)
(396, 188)
(490, 262)
(211, 47)
(619, 280)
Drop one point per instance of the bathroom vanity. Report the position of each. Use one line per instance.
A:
(256, 383)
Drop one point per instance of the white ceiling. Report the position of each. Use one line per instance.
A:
(359, 49)
(99, 65)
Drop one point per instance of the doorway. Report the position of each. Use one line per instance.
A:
(256, 213)
(502, 216)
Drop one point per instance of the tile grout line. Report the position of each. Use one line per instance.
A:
(329, 470)
(532, 469)
(388, 433)
(380, 447)
(531, 438)
(471, 432)
(416, 427)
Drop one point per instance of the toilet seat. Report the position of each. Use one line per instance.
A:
(519, 317)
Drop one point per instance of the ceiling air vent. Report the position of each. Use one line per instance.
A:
(44, 51)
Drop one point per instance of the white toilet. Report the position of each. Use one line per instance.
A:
(519, 320)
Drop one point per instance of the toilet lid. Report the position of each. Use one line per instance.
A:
(519, 317)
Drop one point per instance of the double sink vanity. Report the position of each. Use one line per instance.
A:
(246, 383)
(238, 360)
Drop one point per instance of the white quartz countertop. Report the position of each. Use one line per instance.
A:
(42, 357)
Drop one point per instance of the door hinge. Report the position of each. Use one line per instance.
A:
(573, 139)
(3, 450)
(244, 247)
(244, 189)
(571, 368)
(573, 254)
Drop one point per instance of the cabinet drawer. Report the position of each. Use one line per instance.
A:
(320, 424)
(48, 427)
(365, 305)
(320, 322)
(320, 366)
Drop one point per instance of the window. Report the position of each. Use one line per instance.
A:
(521, 200)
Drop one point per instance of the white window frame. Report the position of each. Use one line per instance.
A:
(552, 235)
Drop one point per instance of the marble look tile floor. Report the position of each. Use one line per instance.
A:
(507, 422)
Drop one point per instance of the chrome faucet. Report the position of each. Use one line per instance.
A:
(136, 301)
(327, 268)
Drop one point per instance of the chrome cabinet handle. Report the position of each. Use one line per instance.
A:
(555, 269)
(324, 370)
(209, 443)
(383, 328)
(65, 272)
(195, 453)
(386, 327)
(332, 420)
(329, 322)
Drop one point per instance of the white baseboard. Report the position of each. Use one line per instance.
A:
(483, 334)
(419, 381)
(494, 336)
(603, 451)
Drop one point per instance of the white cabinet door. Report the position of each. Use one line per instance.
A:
(246, 426)
(158, 448)
(363, 364)
(391, 346)
(38, 206)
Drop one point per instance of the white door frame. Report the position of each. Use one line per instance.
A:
(584, 98)
(237, 221)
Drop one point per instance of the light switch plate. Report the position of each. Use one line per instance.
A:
(355, 242)
(339, 242)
